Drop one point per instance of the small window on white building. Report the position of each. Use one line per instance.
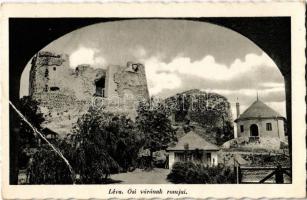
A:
(242, 128)
(208, 158)
(179, 157)
(268, 126)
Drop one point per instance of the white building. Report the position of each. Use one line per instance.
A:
(192, 147)
(260, 121)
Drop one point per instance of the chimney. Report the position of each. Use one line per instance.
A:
(238, 108)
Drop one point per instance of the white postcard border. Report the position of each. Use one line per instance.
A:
(294, 9)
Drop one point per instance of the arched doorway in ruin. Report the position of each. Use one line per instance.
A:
(100, 87)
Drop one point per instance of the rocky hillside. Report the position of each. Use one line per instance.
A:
(209, 114)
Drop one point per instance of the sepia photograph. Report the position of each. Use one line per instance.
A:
(151, 101)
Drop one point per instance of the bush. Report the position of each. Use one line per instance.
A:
(196, 173)
(47, 168)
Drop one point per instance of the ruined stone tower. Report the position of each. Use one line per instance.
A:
(64, 94)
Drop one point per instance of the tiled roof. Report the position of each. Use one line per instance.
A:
(194, 141)
(259, 110)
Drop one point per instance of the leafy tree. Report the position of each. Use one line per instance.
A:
(106, 142)
(30, 109)
(154, 123)
(129, 142)
(92, 144)
(48, 168)
(224, 133)
(101, 143)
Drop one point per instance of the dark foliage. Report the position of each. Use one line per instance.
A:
(104, 144)
(270, 160)
(153, 123)
(101, 144)
(27, 139)
(210, 110)
(196, 173)
(46, 167)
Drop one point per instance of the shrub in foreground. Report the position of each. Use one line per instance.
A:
(196, 173)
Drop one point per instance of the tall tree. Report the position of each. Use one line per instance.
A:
(30, 109)
(27, 139)
(153, 122)
(92, 143)
(105, 141)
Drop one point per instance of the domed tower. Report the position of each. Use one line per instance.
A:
(259, 120)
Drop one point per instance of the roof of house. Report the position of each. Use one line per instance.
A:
(259, 110)
(194, 141)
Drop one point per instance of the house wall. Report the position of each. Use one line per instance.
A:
(214, 159)
(212, 162)
(277, 128)
(171, 159)
(235, 131)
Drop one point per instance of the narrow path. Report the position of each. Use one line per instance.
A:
(138, 176)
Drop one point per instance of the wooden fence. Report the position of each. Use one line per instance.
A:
(256, 175)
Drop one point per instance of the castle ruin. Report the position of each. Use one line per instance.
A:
(64, 93)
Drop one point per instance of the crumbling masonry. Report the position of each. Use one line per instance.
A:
(65, 93)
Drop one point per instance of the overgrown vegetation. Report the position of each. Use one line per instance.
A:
(27, 139)
(196, 173)
(153, 123)
(210, 110)
(100, 135)
(269, 160)
(101, 143)
(47, 168)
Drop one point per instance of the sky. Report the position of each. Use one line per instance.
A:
(178, 55)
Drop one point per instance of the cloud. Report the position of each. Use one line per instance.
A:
(84, 55)
(165, 80)
(139, 52)
(272, 85)
(241, 79)
(208, 68)
(250, 92)
(253, 71)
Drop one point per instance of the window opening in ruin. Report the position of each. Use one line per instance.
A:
(100, 87)
(135, 67)
(46, 73)
(54, 68)
(54, 88)
(46, 88)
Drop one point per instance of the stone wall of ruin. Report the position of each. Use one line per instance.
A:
(65, 93)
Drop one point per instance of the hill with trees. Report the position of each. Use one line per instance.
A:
(208, 113)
